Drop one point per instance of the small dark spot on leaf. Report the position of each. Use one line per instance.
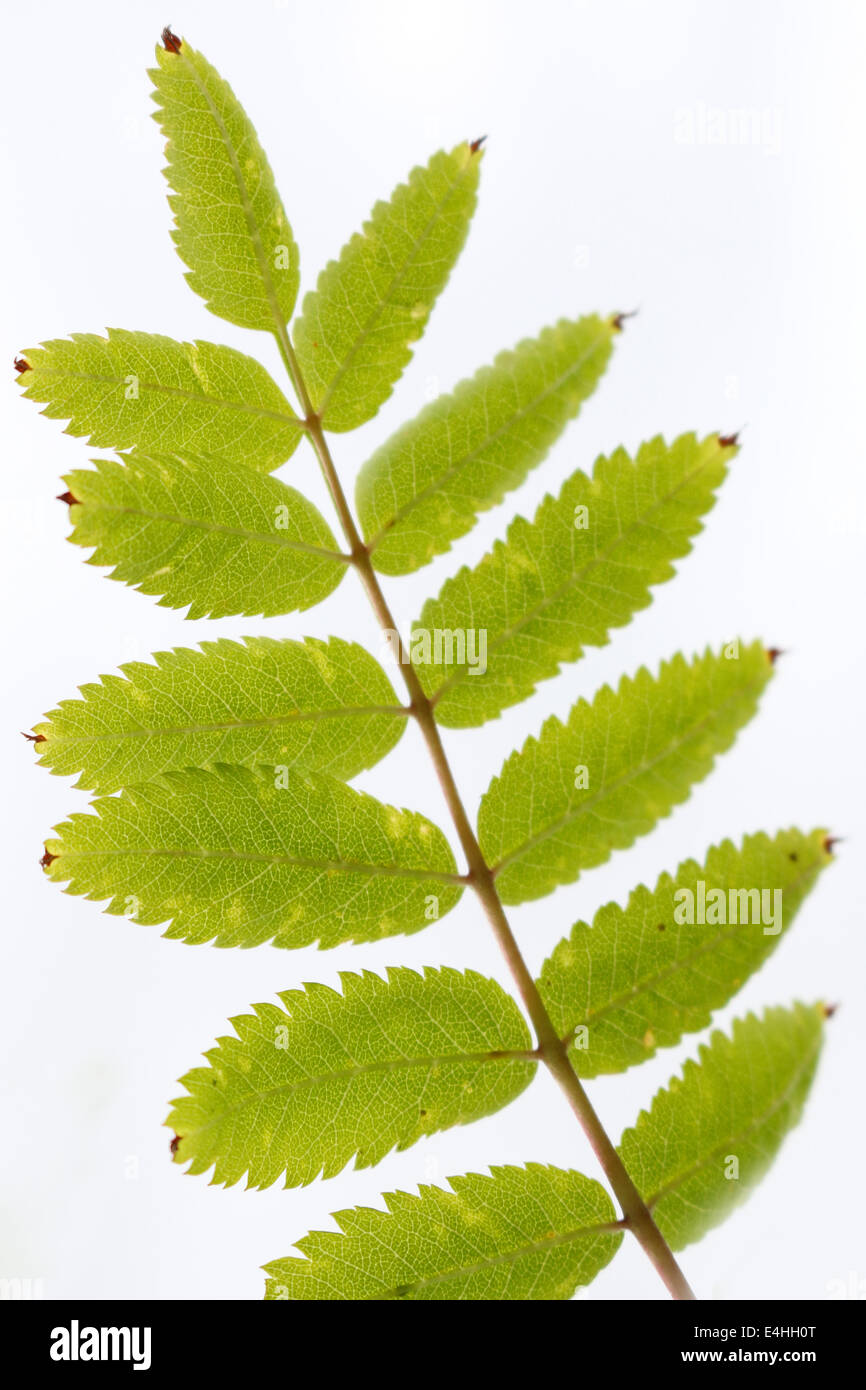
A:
(793, 856)
(170, 41)
(661, 926)
(422, 1113)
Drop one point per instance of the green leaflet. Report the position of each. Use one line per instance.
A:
(304, 1088)
(533, 1233)
(583, 566)
(582, 789)
(143, 390)
(356, 331)
(642, 976)
(240, 858)
(425, 486)
(324, 706)
(215, 535)
(231, 229)
(736, 1104)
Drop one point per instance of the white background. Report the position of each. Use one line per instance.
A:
(746, 260)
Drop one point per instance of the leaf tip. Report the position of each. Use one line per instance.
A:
(830, 841)
(174, 1146)
(22, 365)
(773, 654)
(828, 1010)
(47, 859)
(170, 42)
(69, 498)
(618, 320)
(731, 441)
(475, 145)
(34, 738)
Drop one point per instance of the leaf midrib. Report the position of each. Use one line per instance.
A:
(577, 577)
(674, 1183)
(442, 478)
(350, 1073)
(627, 777)
(158, 388)
(385, 300)
(648, 982)
(216, 528)
(264, 722)
(346, 866)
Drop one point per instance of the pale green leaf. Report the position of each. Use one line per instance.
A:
(231, 229)
(304, 1088)
(582, 789)
(143, 390)
(711, 1136)
(560, 583)
(324, 706)
(203, 532)
(642, 976)
(522, 1234)
(426, 484)
(354, 337)
(239, 858)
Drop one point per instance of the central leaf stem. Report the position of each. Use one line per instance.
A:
(552, 1050)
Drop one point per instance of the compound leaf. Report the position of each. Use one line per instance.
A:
(214, 535)
(533, 1233)
(425, 486)
(568, 798)
(324, 706)
(143, 390)
(230, 226)
(304, 1088)
(354, 337)
(240, 857)
(643, 975)
(560, 583)
(709, 1138)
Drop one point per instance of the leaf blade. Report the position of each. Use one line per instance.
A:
(553, 586)
(424, 487)
(354, 335)
(231, 229)
(328, 1077)
(214, 535)
(143, 390)
(324, 706)
(568, 798)
(225, 855)
(739, 1101)
(521, 1234)
(642, 976)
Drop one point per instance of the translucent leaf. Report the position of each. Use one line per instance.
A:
(240, 858)
(355, 335)
(231, 229)
(582, 789)
(324, 706)
(711, 1136)
(560, 583)
(426, 485)
(215, 535)
(144, 390)
(642, 976)
(304, 1088)
(522, 1234)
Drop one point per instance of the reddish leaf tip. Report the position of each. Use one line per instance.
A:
(170, 42)
(33, 738)
(22, 365)
(619, 319)
(69, 498)
(174, 1145)
(47, 859)
(830, 842)
(829, 1010)
(773, 654)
